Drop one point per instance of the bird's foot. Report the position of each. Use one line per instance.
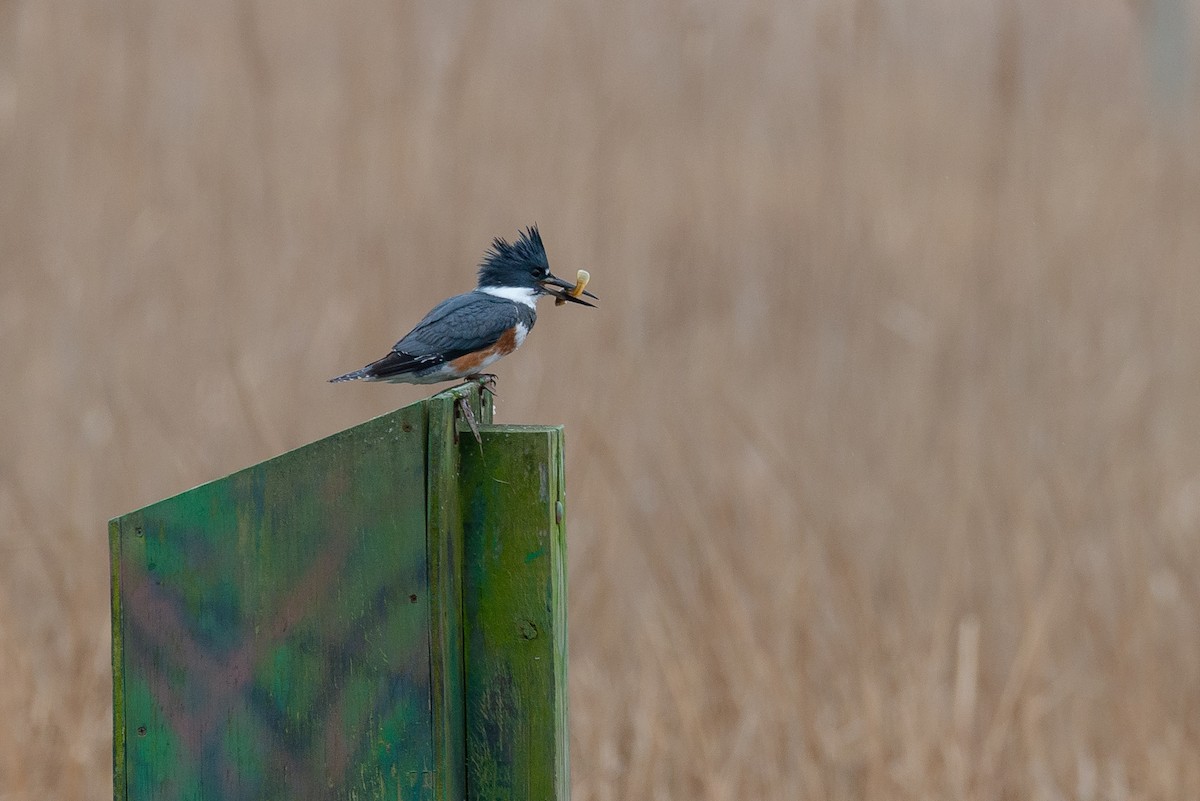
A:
(486, 382)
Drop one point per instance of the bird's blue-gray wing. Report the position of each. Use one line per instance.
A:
(455, 327)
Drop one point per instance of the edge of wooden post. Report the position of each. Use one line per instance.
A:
(445, 548)
(118, 665)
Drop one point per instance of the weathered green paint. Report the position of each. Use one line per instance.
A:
(298, 629)
(515, 614)
(445, 545)
(272, 628)
(114, 543)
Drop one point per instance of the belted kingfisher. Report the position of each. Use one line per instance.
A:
(466, 333)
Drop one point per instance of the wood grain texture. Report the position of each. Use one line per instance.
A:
(444, 534)
(272, 628)
(378, 615)
(515, 614)
(118, 655)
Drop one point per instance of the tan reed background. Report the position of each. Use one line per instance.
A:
(884, 447)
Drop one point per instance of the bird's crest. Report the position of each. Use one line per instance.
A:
(527, 250)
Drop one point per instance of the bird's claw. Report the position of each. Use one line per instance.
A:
(486, 382)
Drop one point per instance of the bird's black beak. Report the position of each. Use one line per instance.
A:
(560, 289)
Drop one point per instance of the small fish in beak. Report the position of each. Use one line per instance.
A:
(564, 291)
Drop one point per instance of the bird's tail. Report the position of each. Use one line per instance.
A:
(357, 375)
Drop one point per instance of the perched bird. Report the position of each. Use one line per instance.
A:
(468, 332)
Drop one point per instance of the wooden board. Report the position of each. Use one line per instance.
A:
(378, 615)
(445, 570)
(515, 618)
(272, 628)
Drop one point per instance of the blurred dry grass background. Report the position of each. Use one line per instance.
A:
(884, 445)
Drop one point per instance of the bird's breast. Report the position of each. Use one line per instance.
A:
(509, 341)
(520, 331)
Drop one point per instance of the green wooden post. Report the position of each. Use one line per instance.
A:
(516, 616)
(296, 630)
(446, 567)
